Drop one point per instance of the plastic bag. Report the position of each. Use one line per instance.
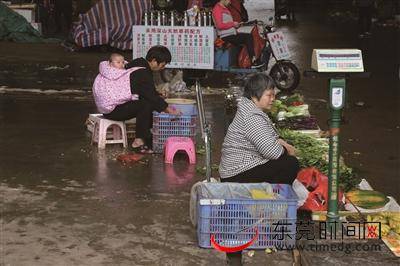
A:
(301, 191)
(217, 190)
(316, 184)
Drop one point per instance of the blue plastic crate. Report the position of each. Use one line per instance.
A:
(233, 221)
(166, 125)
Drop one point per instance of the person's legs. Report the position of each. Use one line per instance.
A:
(144, 122)
(140, 109)
(68, 14)
(58, 18)
(281, 171)
(362, 11)
(68, 19)
(124, 111)
(44, 19)
(63, 10)
(368, 19)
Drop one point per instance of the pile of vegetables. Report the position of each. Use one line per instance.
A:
(390, 221)
(280, 111)
(298, 123)
(291, 112)
(313, 152)
(292, 100)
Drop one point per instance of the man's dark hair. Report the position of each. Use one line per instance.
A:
(256, 84)
(160, 53)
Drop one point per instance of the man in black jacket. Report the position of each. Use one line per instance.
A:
(149, 100)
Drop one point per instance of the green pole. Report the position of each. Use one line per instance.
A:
(337, 99)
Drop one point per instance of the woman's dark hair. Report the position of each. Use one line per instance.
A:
(256, 84)
(160, 53)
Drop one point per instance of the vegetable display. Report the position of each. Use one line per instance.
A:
(313, 152)
(291, 112)
(280, 111)
(294, 99)
(299, 123)
(390, 221)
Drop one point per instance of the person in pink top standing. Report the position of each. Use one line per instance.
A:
(226, 29)
(123, 91)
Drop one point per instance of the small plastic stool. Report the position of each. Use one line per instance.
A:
(118, 134)
(174, 144)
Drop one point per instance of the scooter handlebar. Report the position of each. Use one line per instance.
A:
(249, 23)
(269, 28)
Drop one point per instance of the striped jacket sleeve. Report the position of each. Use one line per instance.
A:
(261, 135)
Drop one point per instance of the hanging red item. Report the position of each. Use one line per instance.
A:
(238, 11)
(259, 44)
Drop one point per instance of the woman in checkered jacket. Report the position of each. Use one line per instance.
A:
(252, 151)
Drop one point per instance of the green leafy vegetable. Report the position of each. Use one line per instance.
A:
(314, 153)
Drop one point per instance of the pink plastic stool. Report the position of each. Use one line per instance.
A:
(174, 144)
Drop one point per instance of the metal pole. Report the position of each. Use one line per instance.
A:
(185, 19)
(337, 99)
(205, 129)
(151, 17)
(146, 18)
(158, 18)
(172, 18)
(200, 108)
(207, 142)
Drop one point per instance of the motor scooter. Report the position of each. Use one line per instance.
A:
(284, 72)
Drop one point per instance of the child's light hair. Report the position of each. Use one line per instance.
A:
(114, 56)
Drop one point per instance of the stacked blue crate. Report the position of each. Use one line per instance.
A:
(166, 125)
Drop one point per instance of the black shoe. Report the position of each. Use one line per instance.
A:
(257, 64)
(143, 149)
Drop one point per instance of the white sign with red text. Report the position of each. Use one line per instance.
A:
(279, 45)
(191, 47)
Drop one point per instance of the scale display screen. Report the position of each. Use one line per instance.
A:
(337, 60)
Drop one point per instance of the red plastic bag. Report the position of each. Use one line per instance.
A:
(129, 158)
(259, 44)
(317, 185)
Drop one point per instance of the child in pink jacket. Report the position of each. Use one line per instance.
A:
(112, 85)
(121, 94)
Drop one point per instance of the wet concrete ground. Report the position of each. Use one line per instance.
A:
(65, 203)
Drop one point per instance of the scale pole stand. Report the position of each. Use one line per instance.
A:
(337, 100)
(337, 95)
